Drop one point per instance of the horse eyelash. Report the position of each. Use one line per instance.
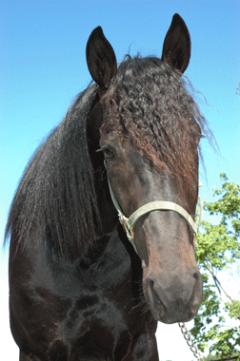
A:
(99, 150)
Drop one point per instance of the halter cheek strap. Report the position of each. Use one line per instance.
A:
(128, 223)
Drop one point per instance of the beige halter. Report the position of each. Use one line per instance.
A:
(128, 223)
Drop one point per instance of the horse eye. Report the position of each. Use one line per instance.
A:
(109, 152)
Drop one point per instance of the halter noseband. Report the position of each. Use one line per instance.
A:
(128, 223)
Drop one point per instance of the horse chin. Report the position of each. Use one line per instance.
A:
(159, 315)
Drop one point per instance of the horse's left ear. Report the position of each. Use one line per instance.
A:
(177, 45)
(101, 58)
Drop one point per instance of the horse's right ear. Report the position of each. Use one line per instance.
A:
(177, 45)
(101, 58)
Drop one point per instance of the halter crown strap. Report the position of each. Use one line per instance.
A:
(129, 222)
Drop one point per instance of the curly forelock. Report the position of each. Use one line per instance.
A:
(149, 102)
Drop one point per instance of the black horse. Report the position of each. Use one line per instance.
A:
(79, 290)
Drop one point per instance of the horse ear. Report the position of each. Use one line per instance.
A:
(101, 58)
(177, 45)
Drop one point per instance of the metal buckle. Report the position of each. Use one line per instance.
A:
(128, 229)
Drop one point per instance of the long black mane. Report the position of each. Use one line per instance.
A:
(56, 198)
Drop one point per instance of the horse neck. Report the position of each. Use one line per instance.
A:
(111, 263)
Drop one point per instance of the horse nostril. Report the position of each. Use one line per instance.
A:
(154, 293)
(196, 275)
(156, 296)
(156, 304)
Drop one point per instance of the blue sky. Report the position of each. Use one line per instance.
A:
(43, 67)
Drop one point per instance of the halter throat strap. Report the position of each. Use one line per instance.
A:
(128, 223)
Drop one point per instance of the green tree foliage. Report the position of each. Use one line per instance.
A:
(218, 249)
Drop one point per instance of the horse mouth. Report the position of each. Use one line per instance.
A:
(159, 313)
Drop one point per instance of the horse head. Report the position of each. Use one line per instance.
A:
(149, 133)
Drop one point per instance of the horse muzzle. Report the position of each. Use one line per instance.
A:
(173, 301)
